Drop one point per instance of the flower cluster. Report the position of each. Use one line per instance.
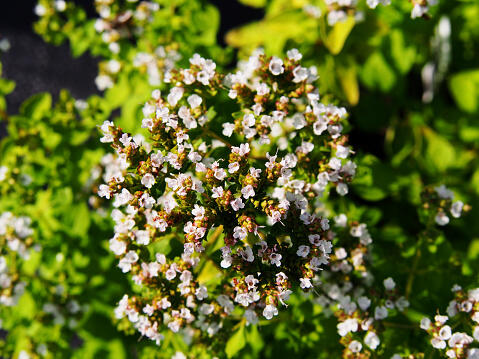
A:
(438, 201)
(360, 319)
(340, 10)
(463, 309)
(117, 22)
(15, 241)
(158, 64)
(349, 294)
(247, 181)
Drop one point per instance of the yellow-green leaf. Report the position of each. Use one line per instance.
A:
(464, 87)
(338, 35)
(236, 342)
(254, 3)
(348, 78)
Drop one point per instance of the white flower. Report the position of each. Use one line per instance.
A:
(441, 218)
(179, 355)
(248, 120)
(298, 121)
(371, 340)
(201, 293)
(389, 283)
(275, 259)
(103, 82)
(247, 254)
(142, 237)
(445, 333)
(117, 247)
(294, 55)
(475, 333)
(40, 10)
(233, 167)
(240, 233)
(342, 152)
(228, 129)
(335, 163)
(251, 317)
(342, 189)
(248, 191)
(104, 191)
(217, 192)
(276, 66)
(456, 209)
(364, 303)
(459, 340)
(438, 343)
(148, 180)
(176, 93)
(270, 311)
(320, 126)
(300, 74)
(237, 204)
(349, 325)
(305, 283)
(3, 172)
(443, 192)
(441, 319)
(380, 313)
(194, 100)
(355, 346)
(303, 251)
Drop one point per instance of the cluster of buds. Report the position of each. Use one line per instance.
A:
(438, 202)
(239, 189)
(15, 241)
(464, 308)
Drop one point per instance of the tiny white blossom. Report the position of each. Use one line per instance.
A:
(303, 251)
(380, 313)
(372, 340)
(194, 101)
(389, 284)
(148, 180)
(276, 66)
(270, 311)
(441, 218)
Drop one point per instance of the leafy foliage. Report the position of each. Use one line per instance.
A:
(411, 87)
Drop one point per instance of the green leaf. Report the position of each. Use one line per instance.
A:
(236, 342)
(439, 152)
(464, 87)
(348, 78)
(254, 3)
(377, 73)
(6, 86)
(373, 179)
(208, 22)
(338, 35)
(36, 106)
(272, 33)
(403, 56)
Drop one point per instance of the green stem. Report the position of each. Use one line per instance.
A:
(415, 264)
